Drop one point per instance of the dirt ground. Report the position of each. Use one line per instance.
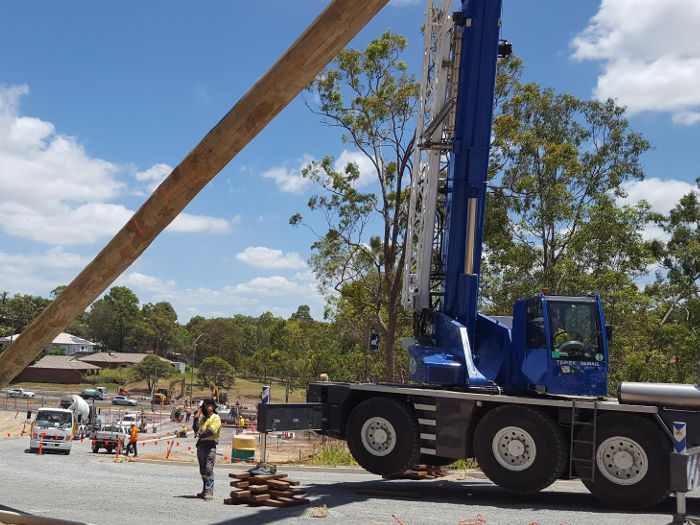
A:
(12, 423)
(279, 450)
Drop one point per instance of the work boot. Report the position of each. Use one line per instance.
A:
(208, 496)
(201, 495)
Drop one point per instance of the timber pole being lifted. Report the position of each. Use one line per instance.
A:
(339, 22)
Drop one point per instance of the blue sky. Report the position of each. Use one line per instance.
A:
(98, 101)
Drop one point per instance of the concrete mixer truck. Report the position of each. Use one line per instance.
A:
(56, 428)
(81, 414)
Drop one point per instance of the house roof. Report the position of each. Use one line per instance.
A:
(61, 339)
(118, 357)
(63, 362)
(67, 339)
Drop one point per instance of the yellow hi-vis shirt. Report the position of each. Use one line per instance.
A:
(212, 423)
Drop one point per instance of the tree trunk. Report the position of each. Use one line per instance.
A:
(390, 339)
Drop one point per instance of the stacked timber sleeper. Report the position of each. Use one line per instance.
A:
(271, 490)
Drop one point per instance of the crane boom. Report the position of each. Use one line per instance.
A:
(455, 344)
(433, 141)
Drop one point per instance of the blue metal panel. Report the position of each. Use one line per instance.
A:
(494, 351)
(470, 155)
(450, 362)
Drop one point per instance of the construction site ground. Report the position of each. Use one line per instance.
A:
(100, 489)
(154, 490)
(295, 448)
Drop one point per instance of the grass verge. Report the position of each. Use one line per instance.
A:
(332, 455)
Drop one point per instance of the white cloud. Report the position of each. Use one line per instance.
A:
(368, 173)
(263, 257)
(276, 294)
(276, 285)
(290, 180)
(154, 175)
(54, 192)
(186, 223)
(651, 54)
(661, 194)
(147, 283)
(63, 224)
(39, 273)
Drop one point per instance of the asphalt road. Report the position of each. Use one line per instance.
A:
(95, 489)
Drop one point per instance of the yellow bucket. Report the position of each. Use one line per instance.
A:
(243, 448)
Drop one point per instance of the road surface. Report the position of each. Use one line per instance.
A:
(94, 488)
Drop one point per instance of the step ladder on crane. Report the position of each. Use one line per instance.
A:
(582, 452)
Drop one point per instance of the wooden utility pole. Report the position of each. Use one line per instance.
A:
(296, 68)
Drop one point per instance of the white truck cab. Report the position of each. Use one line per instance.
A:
(52, 428)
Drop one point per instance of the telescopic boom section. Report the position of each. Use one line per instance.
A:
(296, 68)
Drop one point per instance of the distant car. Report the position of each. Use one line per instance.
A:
(20, 392)
(97, 393)
(123, 400)
(110, 436)
(129, 420)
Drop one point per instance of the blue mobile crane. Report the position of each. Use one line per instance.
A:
(522, 394)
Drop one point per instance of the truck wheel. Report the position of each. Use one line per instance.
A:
(519, 448)
(632, 461)
(110, 448)
(95, 448)
(382, 435)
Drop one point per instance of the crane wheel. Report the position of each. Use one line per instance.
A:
(382, 435)
(632, 459)
(521, 449)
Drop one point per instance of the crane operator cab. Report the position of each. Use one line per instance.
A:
(562, 343)
(551, 344)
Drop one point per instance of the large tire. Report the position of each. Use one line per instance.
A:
(109, 448)
(632, 461)
(520, 449)
(95, 448)
(382, 435)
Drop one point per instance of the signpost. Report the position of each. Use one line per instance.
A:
(685, 471)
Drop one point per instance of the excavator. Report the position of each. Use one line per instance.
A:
(165, 396)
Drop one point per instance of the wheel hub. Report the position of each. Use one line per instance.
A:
(514, 448)
(378, 436)
(622, 460)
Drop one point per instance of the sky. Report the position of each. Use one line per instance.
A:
(100, 100)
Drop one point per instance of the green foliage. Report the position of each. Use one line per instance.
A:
(56, 350)
(151, 368)
(303, 313)
(114, 319)
(111, 377)
(334, 455)
(557, 162)
(369, 95)
(19, 311)
(216, 372)
(465, 464)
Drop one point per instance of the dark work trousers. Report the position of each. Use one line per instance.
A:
(206, 455)
(131, 446)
